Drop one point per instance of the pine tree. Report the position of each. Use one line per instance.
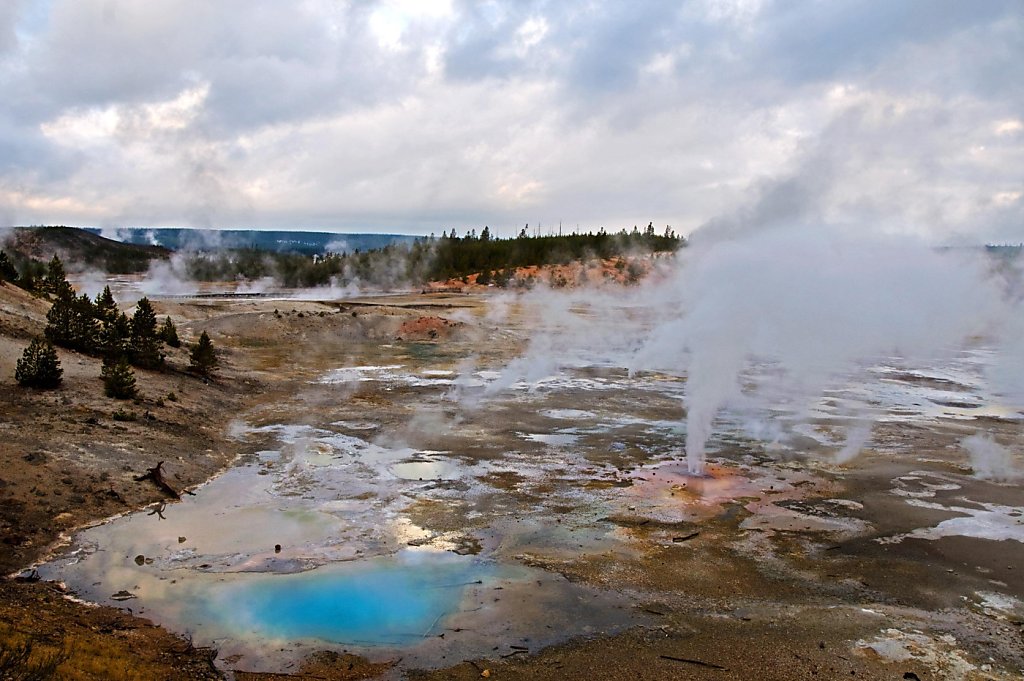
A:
(56, 280)
(144, 319)
(8, 272)
(27, 281)
(203, 358)
(112, 338)
(39, 366)
(85, 327)
(106, 307)
(71, 321)
(112, 341)
(118, 379)
(59, 320)
(169, 334)
(145, 351)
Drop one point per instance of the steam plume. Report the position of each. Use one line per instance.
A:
(815, 306)
(771, 319)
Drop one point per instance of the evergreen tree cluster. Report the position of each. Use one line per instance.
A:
(392, 265)
(428, 258)
(460, 256)
(23, 272)
(99, 328)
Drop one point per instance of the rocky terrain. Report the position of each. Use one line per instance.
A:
(69, 461)
(773, 569)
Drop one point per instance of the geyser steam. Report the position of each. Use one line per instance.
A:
(771, 319)
(812, 307)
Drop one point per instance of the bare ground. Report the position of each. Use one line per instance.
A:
(66, 461)
(725, 603)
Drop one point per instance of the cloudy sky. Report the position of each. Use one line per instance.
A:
(416, 115)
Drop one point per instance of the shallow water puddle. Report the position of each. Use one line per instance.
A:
(348, 535)
(360, 373)
(312, 544)
(384, 601)
(559, 439)
(427, 465)
(991, 521)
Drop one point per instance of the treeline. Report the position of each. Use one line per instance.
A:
(456, 256)
(428, 258)
(392, 265)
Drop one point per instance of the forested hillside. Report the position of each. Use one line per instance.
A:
(29, 247)
(456, 257)
(429, 258)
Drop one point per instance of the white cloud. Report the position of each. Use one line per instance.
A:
(78, 128)
(529, 34)
(105, 124)
(390, 20)
(1010, 126)
(402, 114)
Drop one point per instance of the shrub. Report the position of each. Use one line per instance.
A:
(169, 334)
(122, 415)
(118, 379)
(39, 366)
(22, 660)
(203, 358)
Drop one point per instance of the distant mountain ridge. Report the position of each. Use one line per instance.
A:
(79, 249)
(278, 241)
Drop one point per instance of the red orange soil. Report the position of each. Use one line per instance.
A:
(426, 328)
(618, 270)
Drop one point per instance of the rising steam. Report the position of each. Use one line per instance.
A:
(814, 307)
(989, 459)
(775, 318)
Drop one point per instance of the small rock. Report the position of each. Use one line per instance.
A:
(140, 559)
